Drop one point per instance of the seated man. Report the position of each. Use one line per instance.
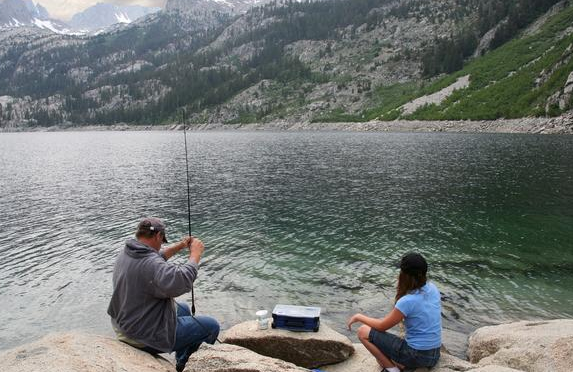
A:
(143, 311)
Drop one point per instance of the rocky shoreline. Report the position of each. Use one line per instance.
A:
(558, 125)
(525, 346)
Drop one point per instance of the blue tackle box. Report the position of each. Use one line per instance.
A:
(296, 318)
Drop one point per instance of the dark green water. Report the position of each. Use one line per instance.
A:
(295, 218)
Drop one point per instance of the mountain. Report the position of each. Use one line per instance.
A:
(24, 13)
(202, 6)
(103, 15)
(350, 60)
(21, 13)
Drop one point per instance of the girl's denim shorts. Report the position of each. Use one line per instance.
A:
(398, 350)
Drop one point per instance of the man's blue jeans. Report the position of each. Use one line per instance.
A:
(191, 332)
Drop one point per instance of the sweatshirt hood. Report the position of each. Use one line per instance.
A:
(136, 249)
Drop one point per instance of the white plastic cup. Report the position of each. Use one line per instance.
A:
(262, 320)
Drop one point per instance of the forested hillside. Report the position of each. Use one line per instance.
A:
(309, 61)
(531, 75)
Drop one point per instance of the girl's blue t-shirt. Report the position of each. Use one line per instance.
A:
(422, 310)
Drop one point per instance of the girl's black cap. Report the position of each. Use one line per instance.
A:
(413, 263)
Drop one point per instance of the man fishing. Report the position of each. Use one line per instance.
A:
(143, 311)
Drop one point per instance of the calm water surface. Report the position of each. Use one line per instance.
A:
(295, 218)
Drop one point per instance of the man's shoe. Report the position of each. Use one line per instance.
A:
(179, 367)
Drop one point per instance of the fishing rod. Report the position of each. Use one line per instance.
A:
(188, 199)
(187, 170)
(184, 117)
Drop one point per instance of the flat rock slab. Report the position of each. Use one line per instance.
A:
(305, 349)
(490, 368)
(360, 361)
(450, 363)
(528, 346)
(232, 358)
(72, 352)
(363, 361)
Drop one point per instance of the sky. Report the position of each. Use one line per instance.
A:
(65, 9)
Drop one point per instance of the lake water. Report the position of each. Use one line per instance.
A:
(293, 218)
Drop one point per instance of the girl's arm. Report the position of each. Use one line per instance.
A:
(389, 321)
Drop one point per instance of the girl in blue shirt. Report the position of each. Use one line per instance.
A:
(418, 304)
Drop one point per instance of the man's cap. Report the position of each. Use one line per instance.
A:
(152, 224)
(413, 263)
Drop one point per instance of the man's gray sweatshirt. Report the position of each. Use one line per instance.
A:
(144, 285)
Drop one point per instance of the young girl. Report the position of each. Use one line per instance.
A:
(418, 305)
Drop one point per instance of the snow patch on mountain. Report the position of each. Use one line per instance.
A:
(16, 23)
(49, 25)
(122, 18)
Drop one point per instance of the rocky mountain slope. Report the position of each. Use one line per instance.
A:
(530, 76)
(18, 13)
(200, 6)
(286, 60)
(103, 15)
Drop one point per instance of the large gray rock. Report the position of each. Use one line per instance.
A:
(528, 346)
(363, 361)
(306, 349)
(72, 352)
(231, 358)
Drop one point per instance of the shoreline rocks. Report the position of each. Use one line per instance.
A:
(533, 125)
(525, 346)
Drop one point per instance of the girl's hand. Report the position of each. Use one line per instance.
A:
(353, 319)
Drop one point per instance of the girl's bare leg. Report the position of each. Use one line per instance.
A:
(382, 359)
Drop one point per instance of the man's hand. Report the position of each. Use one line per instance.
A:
(186, 242)
(196, 249)
(170, 251)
